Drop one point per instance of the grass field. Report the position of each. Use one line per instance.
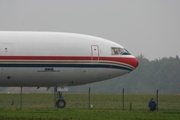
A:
(105, 106)
(84, 114)
(99, 101)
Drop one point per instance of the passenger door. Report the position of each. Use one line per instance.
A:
(95, 53)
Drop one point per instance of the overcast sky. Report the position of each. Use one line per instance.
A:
(147, 27)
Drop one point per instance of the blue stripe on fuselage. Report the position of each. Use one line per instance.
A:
(67, 65)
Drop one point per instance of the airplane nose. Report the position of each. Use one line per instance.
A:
(134, 62)
(137, 63)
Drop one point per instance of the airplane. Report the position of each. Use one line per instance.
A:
(57, 59)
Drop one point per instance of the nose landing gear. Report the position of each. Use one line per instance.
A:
(60, 103)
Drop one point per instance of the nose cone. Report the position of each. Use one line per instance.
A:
(133, 62)
(136, 63)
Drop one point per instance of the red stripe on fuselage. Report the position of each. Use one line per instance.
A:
(44, 58)
(127, 60)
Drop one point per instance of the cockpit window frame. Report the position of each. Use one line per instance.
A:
(119, 51)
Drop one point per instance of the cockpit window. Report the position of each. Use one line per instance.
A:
(119, 51)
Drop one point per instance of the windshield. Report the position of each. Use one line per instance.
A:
(119, 51)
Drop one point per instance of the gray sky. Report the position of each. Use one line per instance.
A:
(148, 27)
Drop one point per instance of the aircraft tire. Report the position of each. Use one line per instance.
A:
(60, 103)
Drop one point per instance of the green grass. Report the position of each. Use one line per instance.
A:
(84, 114)
(99, 101)
(105, 107)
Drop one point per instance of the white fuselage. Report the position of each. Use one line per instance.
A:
(59, 59)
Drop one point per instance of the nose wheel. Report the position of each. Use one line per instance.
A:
(60, 102)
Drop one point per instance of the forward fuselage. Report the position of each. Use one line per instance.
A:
(59, 59)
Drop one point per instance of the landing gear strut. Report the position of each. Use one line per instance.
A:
(60, 103)
(58, 99)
